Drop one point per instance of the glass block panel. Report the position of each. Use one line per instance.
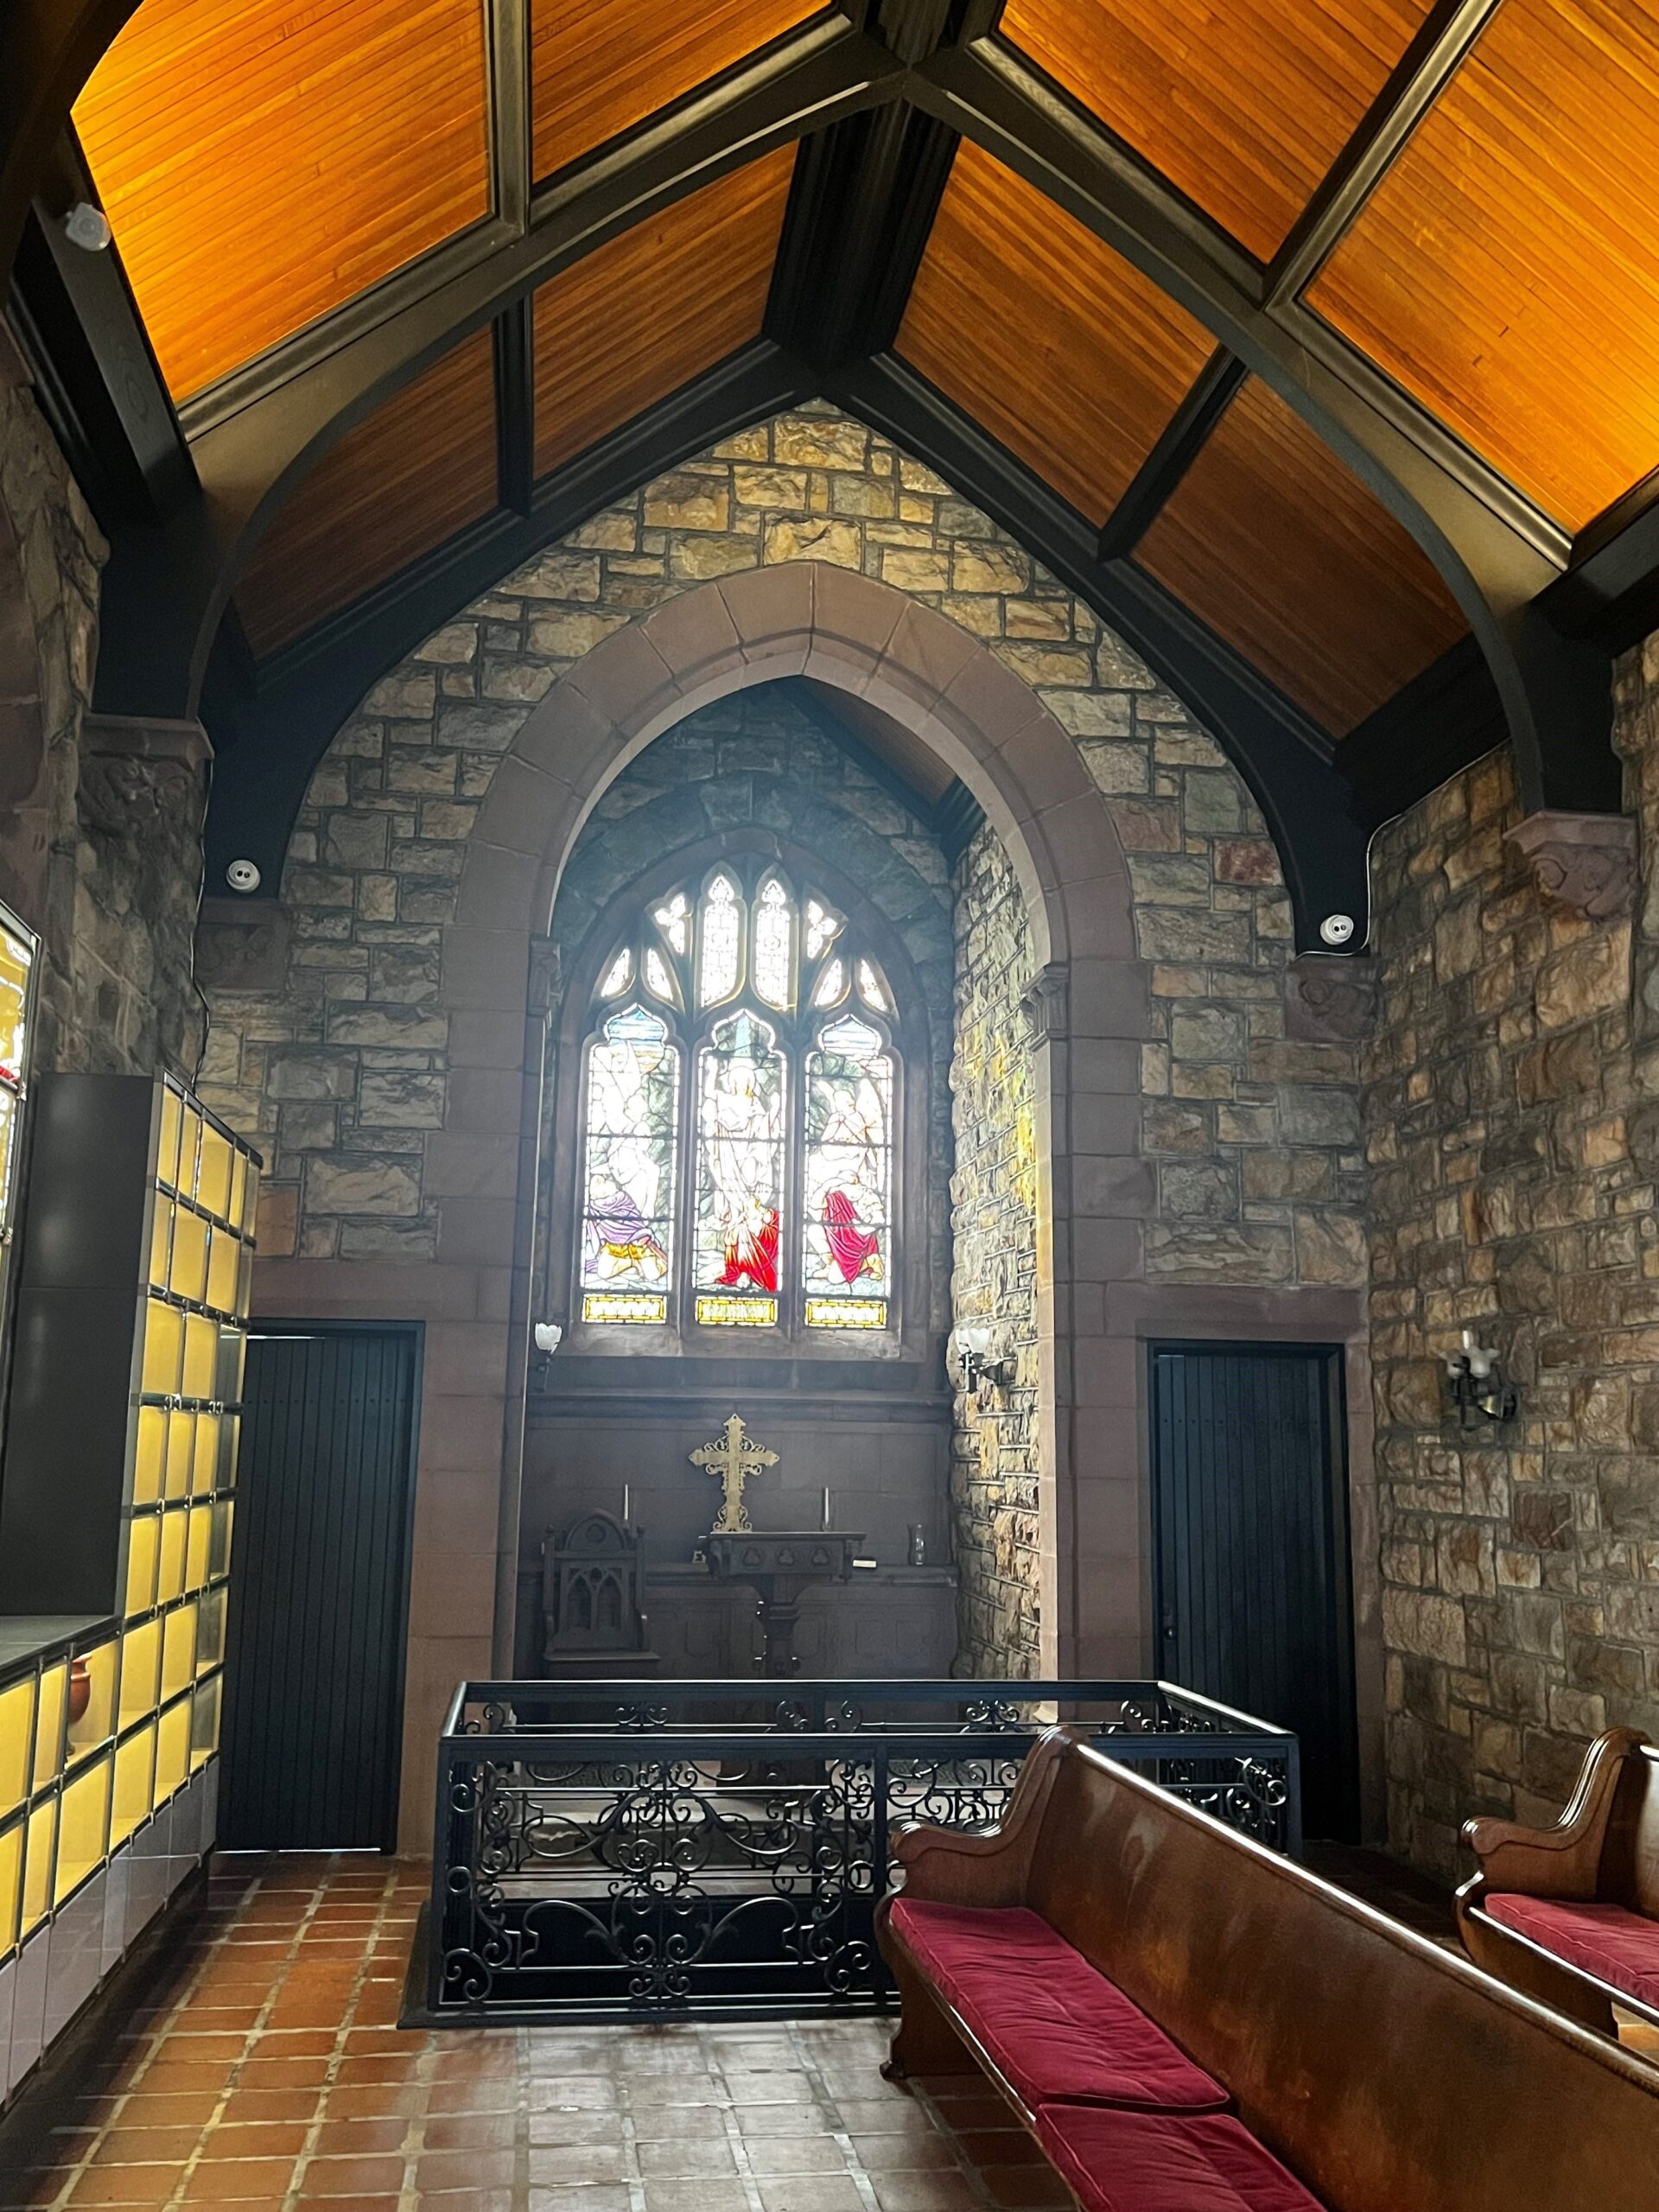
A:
(178, 1650)
(96, 1722)
(167, 1157)
(172, 1750)
(143, 1551)
(189, 1147)
(196, 1551)
(11, 1886)
(163, 1349)
(181, 1451)
(232, 1355)
(200, 1355)
(238, 1187)
(135, 1764)
(16, 1742)
(161, 1242)
(141, 1659)
(223, 1259)
(204, 1721)
(49, 1723)
(82, 1827)
(170, 1580)
(188, 1275)
(204, 1463)
(150, 1456)
(43, 1834)
(210, 1632)
(213, 1172)
(218, 1546)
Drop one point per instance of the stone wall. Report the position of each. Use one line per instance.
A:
(1513, 1138)
(994, 1461)
(100, 821)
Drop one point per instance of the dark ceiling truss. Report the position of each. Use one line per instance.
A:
(879, 93)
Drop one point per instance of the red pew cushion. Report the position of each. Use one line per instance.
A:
(1052, 2026)
(1617, 1946)
(1166, 2161)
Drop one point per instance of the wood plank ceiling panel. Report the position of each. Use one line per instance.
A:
(599, 67)
(1507, 270)
(1270, 540)
(263, 161)
(1243, 104)
(1049, 339)
(421, 467)
(641, 316)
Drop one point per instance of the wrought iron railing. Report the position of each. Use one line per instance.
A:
(629, 1849)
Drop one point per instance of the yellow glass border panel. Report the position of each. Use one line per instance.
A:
(48, 1722)
(213, 1172)
(143, 1552)
(238, 1186)
(627, 1306)
(224, 1265)
(229, 1437)
(210, 1632)
(11, 1886)
(716, 1312)
(199, 1548)
(219, 1549)
(846, 1312)
(189, 1149)
(250, 1200)
(16, 1741)
(204, 1465)
(82, 1829)
(141, 1659)
(37, 1864)
(161, 1240)
(135, 1765)
(172, 1752)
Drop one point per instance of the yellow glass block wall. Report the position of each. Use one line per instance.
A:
(98, 1734)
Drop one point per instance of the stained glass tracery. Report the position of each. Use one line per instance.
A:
(772, 1165)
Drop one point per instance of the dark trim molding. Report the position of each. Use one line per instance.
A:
(1163, 466)
(1441, 721)
(1287, 760)
(269, 743)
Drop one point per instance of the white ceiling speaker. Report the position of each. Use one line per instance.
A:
(88, 227)
(1337, 929)
(243, 875)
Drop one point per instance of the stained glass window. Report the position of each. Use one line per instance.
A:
(848, 1171)
(758, 1194)
(721, 950)
(627, 1240)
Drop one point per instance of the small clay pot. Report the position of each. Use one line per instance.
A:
(80, 1690)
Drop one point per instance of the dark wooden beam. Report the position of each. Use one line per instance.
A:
(269, 739)
(250, 460)
(1495, 551)
(1439, 723)
(1170, 458)
(515, 407)
(1422, 73)
(1287, 760)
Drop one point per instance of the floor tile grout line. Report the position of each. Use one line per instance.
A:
(843, 2135)
(342, 2030)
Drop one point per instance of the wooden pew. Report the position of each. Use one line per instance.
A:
(1386, 2074)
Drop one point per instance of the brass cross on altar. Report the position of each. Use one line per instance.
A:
(734, 1461)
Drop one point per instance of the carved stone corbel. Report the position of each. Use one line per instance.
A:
(1586, 862)
(1046, 1006)
(1330, 1002)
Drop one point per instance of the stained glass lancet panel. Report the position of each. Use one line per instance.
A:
(720, 953)
(627, 1227)
(774, 945)
(740, 1103)
(848, 1257)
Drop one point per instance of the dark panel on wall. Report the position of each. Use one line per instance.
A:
(1250, 1526)
(1047, 338)
(1243, 104)
(263, 164)
(645, 314)
(313, 1732)
(422, 467)
(1507, 270)
(599, 67)
(1284, 553)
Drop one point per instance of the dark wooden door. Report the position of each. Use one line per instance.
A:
(319, 1594)
(1249, 1509)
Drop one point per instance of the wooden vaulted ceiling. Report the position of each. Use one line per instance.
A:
(268, 164)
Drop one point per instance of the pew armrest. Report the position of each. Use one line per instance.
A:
(1563, 1862)
(954, 1866)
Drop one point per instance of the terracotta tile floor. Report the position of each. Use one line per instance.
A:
(269, 2074)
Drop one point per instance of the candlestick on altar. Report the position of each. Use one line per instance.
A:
(628, 1503)
(825, 1523)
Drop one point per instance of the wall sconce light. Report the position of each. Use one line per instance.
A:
(970, 1342)
(548, 1335)
(1479, 1385)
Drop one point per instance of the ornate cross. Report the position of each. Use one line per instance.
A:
(734, 1461)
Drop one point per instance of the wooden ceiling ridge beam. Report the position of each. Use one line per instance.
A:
(1443, 39)
(1288, 763)
(269, 739)
(249, 461)
(1495, 552)
(1211, 393)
